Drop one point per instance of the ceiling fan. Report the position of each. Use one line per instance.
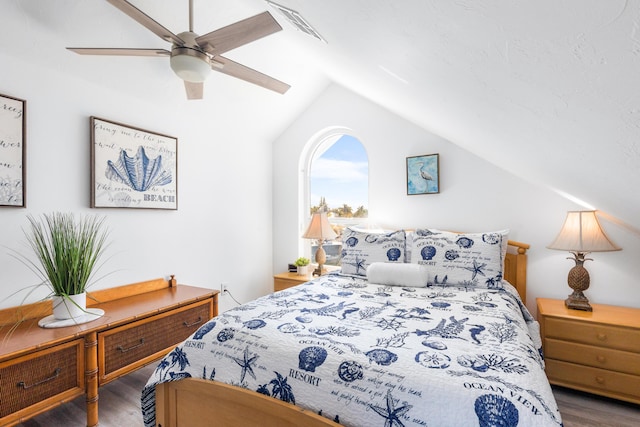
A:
(192, 57)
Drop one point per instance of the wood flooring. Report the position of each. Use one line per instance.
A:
(119, 406)
(580, 409)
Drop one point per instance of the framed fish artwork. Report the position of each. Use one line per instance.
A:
(423, 174)
(132, 167)
(13, 126)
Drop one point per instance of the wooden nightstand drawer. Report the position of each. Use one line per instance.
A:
(598, 357)
(41, 378)
(612, 384)
(594, 334)
(127, 347)
(286, 280)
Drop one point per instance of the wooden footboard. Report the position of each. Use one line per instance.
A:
(195, 402)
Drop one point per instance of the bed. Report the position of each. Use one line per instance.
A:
(437, 336)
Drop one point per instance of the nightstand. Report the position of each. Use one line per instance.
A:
(286, 280)
(597, 352)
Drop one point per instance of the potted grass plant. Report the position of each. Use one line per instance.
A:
(67, 252)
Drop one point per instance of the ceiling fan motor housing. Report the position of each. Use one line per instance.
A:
(191, 64)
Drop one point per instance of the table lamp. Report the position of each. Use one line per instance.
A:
(320, 229)
(580, 235)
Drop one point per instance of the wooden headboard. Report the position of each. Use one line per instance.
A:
(515, 267)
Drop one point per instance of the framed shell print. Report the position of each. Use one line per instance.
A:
(132, 167)
(13, 127)
(423, 174)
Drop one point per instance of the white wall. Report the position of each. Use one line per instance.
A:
(224, 186)
(221, 231)
(475, 196)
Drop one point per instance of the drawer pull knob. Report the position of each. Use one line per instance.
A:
(602, 337)
(124, 350)
(601, 359)
(198, 320)
(55, 375)
(600, 380)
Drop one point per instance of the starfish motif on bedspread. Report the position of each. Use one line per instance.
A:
(394, 324)
(246, 364)
(389, 304)
(445, 331)
(476, 269)
(391, 414)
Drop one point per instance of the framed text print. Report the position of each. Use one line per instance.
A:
(13, 126)
(423, 175)
(132, 168)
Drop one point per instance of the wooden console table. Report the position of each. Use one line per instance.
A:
(43, 368)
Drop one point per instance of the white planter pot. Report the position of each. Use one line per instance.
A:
(69, 307)
(303, 270)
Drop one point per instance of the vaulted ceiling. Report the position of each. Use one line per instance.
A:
(548, 89)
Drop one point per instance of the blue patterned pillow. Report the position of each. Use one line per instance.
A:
(468, 259)
(361, 249)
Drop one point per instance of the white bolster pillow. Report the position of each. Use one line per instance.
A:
(398, 274)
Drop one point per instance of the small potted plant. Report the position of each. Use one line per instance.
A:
(66, 253)
(302, 264)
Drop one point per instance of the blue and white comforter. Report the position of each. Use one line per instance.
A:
(371, 355)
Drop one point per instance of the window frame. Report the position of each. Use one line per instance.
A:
(321, 140)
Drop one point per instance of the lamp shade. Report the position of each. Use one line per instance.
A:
(319, 228)
(582, 233)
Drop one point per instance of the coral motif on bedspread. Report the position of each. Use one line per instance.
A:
(371, 355)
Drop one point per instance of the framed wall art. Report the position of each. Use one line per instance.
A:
(423, 174)
(13, 128)
(132, 167)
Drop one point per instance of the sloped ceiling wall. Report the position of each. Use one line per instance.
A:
(547, 90)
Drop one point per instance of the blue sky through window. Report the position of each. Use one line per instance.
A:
(341, 174)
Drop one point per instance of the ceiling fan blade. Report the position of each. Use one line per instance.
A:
(119, 51)
(250, 75)
(194, 90)
(242, 32)
(146, 21)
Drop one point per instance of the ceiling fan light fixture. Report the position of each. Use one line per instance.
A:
(193, 57)
(190, 65)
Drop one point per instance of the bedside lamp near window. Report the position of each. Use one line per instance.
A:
(320, 229)
(580, 235)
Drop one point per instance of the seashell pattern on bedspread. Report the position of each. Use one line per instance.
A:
(369, 355)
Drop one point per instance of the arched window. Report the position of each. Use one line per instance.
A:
(336, 180)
